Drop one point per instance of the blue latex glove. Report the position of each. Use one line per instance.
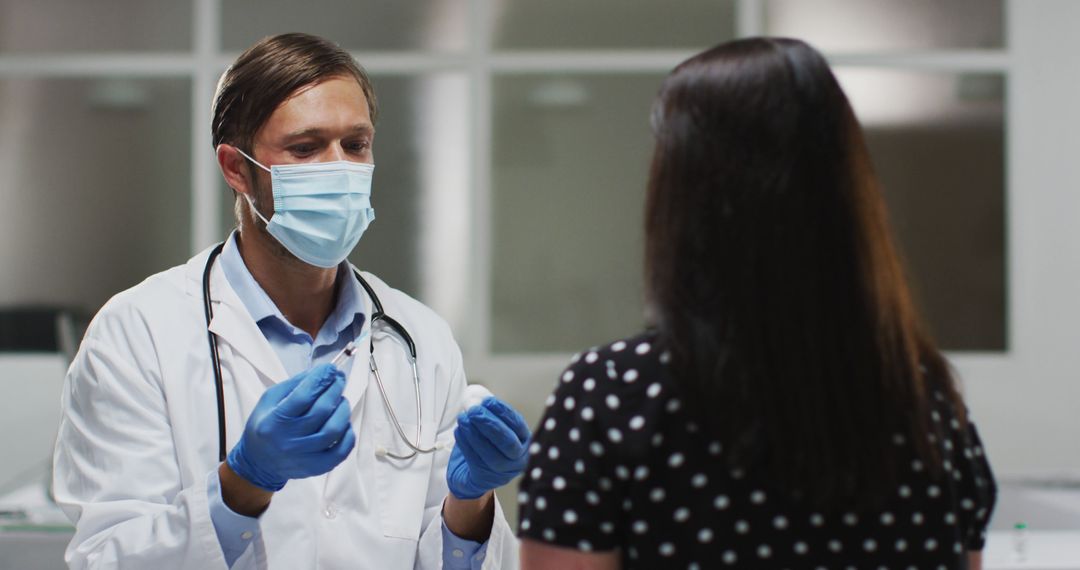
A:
(491, 449)
(300, 428)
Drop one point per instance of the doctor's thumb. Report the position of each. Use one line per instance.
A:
(311, 385)
(278, 392)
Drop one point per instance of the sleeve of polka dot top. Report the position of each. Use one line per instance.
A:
(568, 494)
(978, 490)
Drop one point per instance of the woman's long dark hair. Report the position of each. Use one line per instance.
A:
(772, 276)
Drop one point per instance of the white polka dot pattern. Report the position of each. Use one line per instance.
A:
(619, 462)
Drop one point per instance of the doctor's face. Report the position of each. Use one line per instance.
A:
(323, 122)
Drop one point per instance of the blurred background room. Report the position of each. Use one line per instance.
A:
(512, 156)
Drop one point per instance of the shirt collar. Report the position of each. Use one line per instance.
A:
(350, 299)
(350, 304)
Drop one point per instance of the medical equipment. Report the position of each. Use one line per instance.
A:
(378, 315)
(320, 208)
(345, 354)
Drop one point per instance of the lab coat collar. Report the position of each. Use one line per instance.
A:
(235, 326)
(250, 293)
(348, 309)
(359, 375)
(231, 321)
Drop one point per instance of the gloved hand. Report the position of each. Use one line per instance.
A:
(491, 449)
(299, 428)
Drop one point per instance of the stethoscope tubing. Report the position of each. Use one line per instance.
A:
(215, 356)
(377, 315)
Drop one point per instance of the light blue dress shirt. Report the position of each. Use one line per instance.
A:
(299, 352)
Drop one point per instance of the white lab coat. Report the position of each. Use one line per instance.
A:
(139, 437)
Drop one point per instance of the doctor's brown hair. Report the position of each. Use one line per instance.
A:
(267, 74)
(772, 277)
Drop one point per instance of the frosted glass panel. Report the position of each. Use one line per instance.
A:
(570, 164)
(95, 25)
(938, 143)
(849, 25)
(569, 24)
(424, 25)
(95, 178)
(571, 155)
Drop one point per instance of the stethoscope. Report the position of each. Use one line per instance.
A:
(378, 316)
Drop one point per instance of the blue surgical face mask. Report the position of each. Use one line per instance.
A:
(320, 208)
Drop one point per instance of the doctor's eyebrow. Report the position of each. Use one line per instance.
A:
(360, 128)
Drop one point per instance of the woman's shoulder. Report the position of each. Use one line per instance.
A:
(631, 361)
(608, 383)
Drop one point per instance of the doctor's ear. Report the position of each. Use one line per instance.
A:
(234, 167)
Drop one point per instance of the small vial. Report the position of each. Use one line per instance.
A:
(1020, 539)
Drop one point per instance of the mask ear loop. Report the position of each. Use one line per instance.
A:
(248, 196)
(256, 210)
(257, 163)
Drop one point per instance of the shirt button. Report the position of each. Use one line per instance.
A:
(330, 511)
(458, 553)
(247, 534)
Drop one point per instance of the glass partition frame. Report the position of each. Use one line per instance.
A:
(480, 64)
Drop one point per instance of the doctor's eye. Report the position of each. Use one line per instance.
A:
(358, 147)
(302, 150)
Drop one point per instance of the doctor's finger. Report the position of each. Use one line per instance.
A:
(324, 406)
(327, 459)
(278, 392)
(511, 417)
(495, 431)
(314, 383)
(472, 457)
(345, 446)
(329, 433)
(491, 454)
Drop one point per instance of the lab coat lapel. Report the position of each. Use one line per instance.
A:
(234, 325)
(360, 374)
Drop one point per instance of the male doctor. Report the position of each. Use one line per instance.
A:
(316, 472)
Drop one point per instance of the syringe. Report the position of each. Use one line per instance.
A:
(345, 354)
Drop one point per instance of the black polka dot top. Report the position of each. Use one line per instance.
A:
(617, 463)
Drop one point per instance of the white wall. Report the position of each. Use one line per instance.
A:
(1026, 401)
(29, 414)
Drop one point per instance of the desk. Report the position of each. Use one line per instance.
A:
(1046, 550)
(34, 549)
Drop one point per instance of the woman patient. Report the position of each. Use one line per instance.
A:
(785, 408)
